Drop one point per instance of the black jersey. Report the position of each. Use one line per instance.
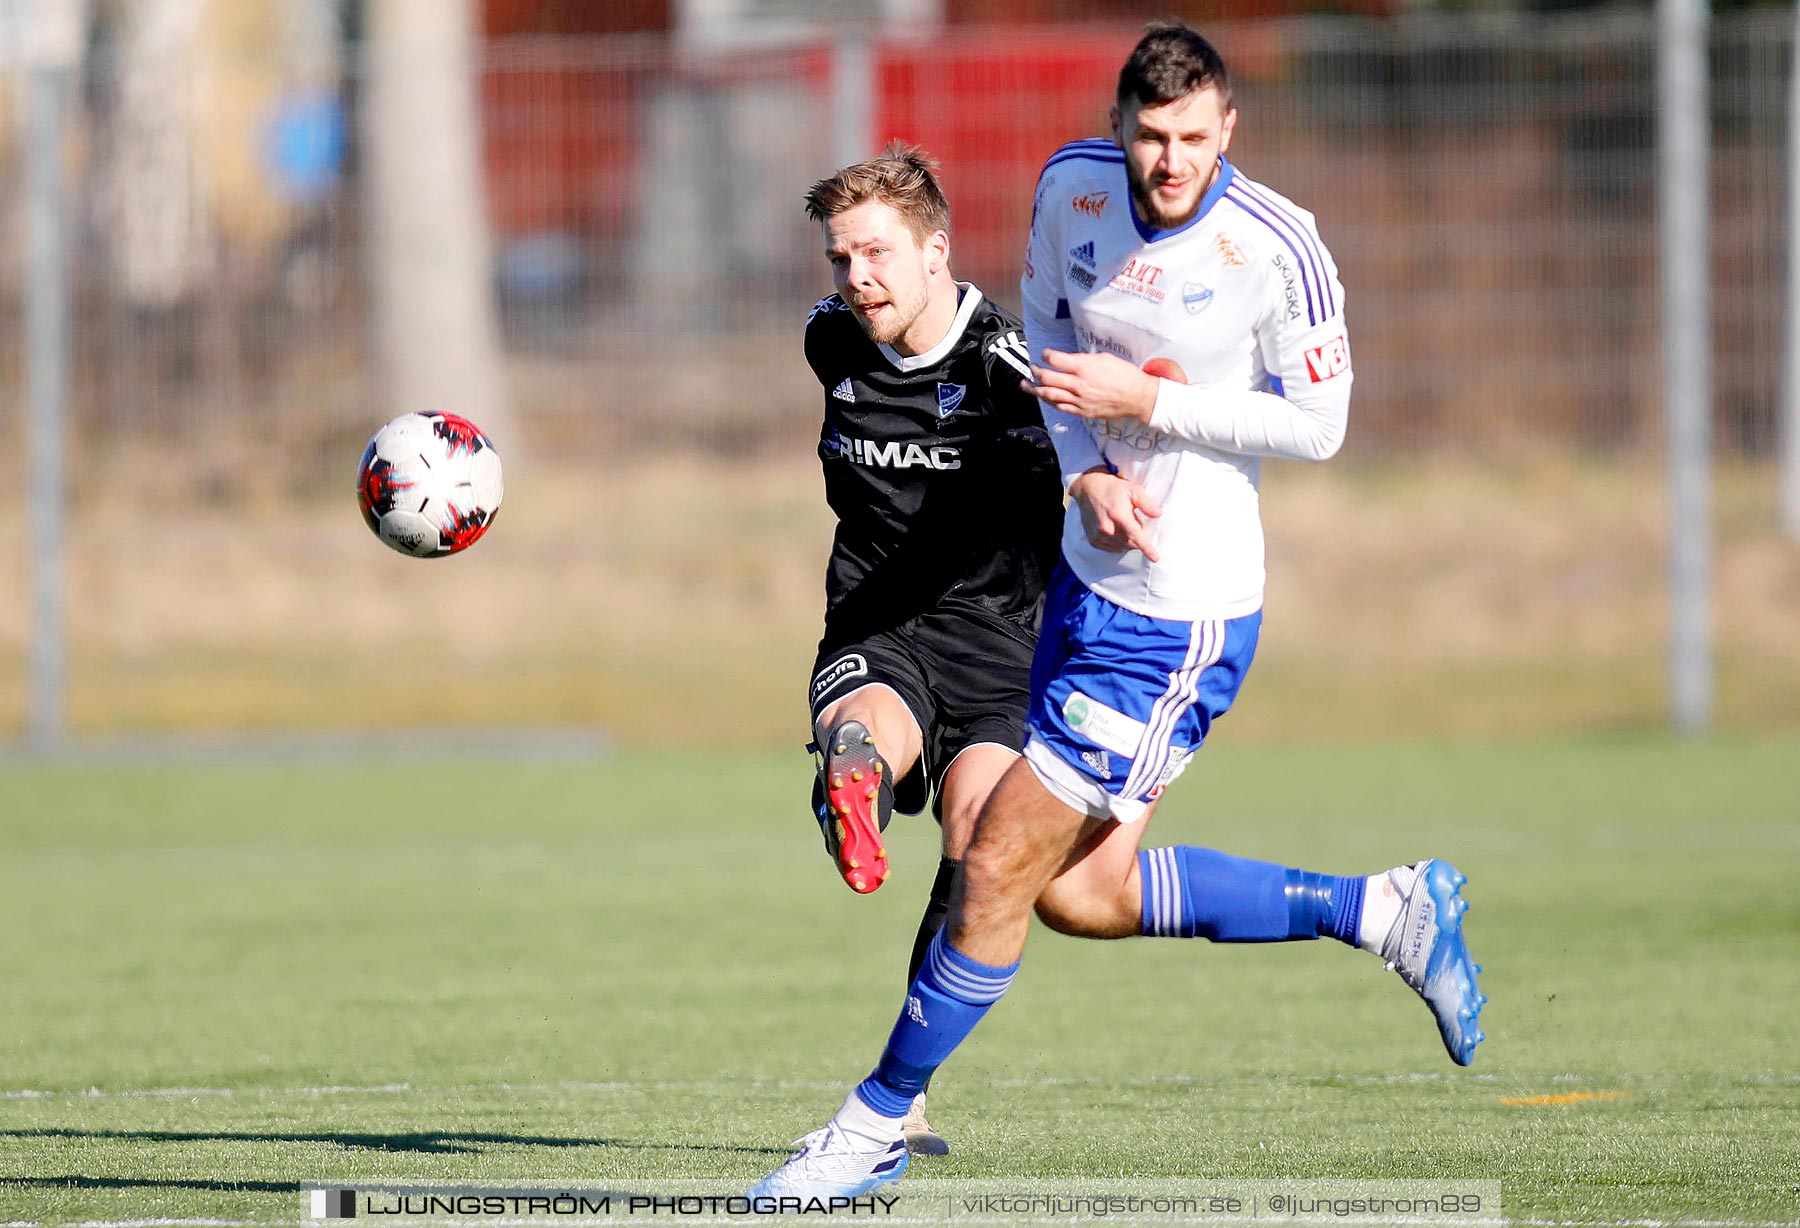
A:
(944, 482)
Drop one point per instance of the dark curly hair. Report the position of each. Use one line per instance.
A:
(1168, 63)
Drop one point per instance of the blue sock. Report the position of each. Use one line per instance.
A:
(1198, 893)
(944, 1003)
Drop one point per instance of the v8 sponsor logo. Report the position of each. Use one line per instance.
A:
(1328, 361)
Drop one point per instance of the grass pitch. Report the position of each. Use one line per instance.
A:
(221, 982)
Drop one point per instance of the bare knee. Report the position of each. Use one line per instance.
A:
(968, 783)
(1060, 908)
(1075, 908)
(990, 886)
(1084, 903)
(887, 718)
(1022, 839)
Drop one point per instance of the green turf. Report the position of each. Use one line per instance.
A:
(624, 972)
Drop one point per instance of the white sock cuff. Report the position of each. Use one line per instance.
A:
(1383, 901)
(855, 1117)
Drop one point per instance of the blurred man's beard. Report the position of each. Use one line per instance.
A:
(894, 322)
(1153, 211)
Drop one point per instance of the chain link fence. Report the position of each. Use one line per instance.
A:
(1485, 557)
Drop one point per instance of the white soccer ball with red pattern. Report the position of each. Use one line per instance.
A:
(429, 484)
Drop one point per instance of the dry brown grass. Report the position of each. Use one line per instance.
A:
(679, 592)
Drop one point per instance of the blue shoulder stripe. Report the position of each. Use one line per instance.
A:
(1095, 148)
(1091, 145)
(1083, 155)
(1300, 231)
(1315, 298)
(1308, 236)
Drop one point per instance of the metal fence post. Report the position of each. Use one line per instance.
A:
(47, 381)
(1685, 176)
(852, 99)
(1789, 440)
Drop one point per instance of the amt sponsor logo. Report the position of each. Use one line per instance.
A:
(1139, 277)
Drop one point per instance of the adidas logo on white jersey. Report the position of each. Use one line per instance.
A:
(844, 392)
(1084, 253)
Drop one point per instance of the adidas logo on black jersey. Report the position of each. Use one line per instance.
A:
(844, 392)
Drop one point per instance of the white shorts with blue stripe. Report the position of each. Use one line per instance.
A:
(1121, 701)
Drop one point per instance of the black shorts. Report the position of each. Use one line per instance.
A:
(964, 675)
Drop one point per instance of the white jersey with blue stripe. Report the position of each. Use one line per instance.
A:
(1246, 299)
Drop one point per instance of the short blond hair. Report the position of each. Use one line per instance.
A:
(902, 178)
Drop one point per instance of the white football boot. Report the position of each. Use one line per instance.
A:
(833, 1163)
(1425, 946)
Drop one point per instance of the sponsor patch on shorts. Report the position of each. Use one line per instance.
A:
(850, 665)
(1103, 726)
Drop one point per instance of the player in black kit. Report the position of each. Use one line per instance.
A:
(949, 507)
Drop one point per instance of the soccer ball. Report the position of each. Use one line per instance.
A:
(429, 484)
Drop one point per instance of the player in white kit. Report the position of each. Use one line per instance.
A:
(1151, 250)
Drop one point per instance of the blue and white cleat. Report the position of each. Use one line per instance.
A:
(1427, 949)
(832, 1163)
